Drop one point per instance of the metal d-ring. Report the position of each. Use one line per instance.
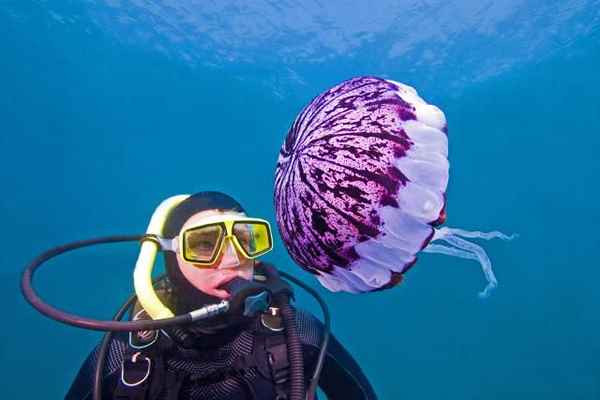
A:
(134, 359)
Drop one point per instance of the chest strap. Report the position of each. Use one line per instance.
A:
(274, 348)
(269, 359)
(144, 374)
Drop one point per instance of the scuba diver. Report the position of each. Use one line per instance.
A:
(241, 339)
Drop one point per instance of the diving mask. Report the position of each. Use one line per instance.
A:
(202, 243)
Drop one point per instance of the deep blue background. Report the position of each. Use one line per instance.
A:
(101, 119)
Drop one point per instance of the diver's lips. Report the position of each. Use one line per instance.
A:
(225, 279)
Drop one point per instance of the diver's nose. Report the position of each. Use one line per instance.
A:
(230, 256)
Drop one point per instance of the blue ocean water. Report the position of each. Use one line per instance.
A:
(108, 106)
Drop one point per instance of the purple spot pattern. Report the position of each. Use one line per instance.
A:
(336, 170)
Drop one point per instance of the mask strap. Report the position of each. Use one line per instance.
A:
(167, 244)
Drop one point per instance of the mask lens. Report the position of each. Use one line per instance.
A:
(201, 244)
(253, 237)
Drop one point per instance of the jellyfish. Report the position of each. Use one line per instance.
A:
(360, 187)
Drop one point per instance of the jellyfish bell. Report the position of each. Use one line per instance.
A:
(360, 187)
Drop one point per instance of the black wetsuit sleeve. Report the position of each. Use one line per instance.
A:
(341, 377)
(82, 386)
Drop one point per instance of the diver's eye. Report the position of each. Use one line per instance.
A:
(245, 241)
(202, 245)
(245, 236)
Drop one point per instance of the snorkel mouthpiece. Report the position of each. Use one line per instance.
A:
(246, 297)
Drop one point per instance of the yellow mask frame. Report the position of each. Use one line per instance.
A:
(260, 234)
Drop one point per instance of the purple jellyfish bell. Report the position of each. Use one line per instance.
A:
(360, 186)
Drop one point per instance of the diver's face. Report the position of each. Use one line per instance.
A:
(229, 264)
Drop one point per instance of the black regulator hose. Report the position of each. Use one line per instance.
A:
(79, 321)
(294, 348)
(105, 344)
(311, 392)
(103, 349)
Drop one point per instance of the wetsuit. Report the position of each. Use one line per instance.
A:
(227, 366)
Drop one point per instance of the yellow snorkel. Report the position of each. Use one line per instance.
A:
(142, 275)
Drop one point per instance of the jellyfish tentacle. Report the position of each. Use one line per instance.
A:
(477, 234)
(465, 249)
(449, 251)
(484, 261)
